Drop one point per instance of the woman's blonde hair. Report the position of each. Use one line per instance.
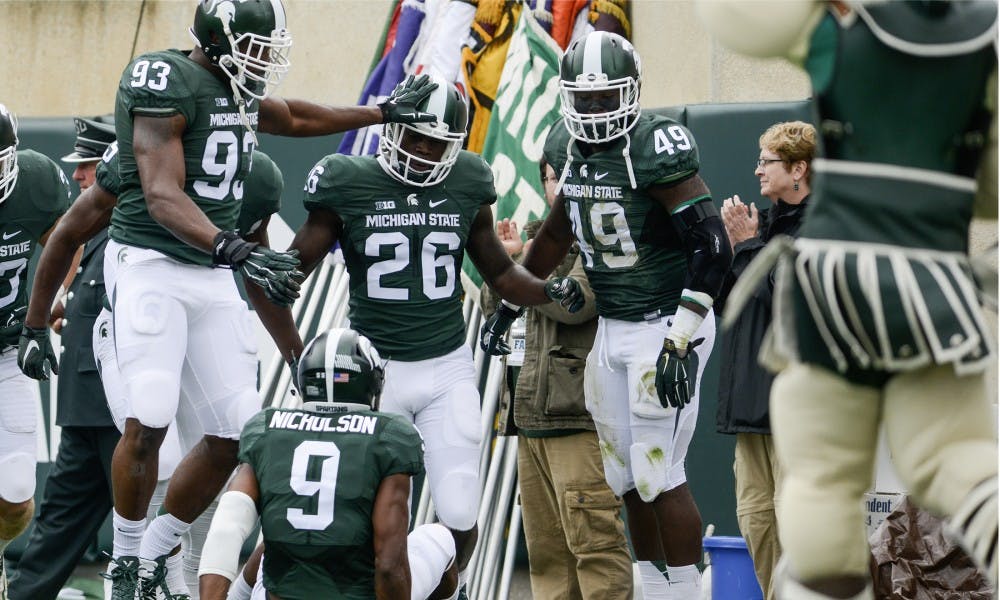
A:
(792, 141)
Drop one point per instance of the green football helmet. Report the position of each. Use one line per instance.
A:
(599, 79)
(247, 39)
(448, 105)
(342, 366)
(8, 152)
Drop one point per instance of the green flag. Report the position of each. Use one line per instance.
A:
(527, 105)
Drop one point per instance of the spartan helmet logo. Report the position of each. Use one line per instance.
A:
(411, 200)
(583, 171)
(225, 11)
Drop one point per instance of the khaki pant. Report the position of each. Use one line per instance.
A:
(575, 536)
(939, 428)
(758, 482)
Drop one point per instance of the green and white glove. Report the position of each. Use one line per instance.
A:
(275, 272)
(676, 373)
(494, 330)
(566, 291)
(35, 356)
(401, 105)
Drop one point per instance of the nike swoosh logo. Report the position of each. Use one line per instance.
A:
(434, 204)
(31, 347)
(599, 176)
(7, 236)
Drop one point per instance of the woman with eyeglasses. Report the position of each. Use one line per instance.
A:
(784, 170)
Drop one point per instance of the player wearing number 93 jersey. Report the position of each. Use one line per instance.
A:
(186, 124)
(655, 251)
(34, 193)
(404, 221)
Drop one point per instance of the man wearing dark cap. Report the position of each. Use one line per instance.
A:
(77, 496)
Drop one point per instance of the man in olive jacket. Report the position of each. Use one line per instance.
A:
(576, 539)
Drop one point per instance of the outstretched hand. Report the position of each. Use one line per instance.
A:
(401, 105)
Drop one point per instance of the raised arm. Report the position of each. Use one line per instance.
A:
(85, 218)
(390, 521)
(301, 118)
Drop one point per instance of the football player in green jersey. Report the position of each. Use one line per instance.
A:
(186, 125)
(331, 484)
(404, 220)
(655, 252)
(34, 193)
(877, 321)
(90, 213)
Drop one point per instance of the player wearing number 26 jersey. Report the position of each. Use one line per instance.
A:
(655, 251)
(404, 221)
(34, 193)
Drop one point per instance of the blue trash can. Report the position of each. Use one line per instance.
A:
(733, 577)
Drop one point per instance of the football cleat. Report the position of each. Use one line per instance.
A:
(123, 572)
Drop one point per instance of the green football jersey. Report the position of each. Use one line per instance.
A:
(403, 246)
(39, 198)
(633, 258)
(318, 474)
(262, 196)
(217, 148)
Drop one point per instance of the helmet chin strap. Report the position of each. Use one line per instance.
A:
(241, 104)
(334, 407)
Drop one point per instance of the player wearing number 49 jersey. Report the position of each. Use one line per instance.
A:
(404, 221)
(186, 123)
(34, 193)
(330, 483)
(655, 253)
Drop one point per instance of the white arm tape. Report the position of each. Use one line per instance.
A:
(233, 521)
(686, 322)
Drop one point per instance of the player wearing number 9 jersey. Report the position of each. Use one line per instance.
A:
(655, 251)
(330, 483)
(34, 193)
(186, 124)
(404, 221)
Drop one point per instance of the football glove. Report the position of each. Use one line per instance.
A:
(494, 330)
(676, 373)
(10, 331)
(566, 291)
(401, 105)
(274, 272)
(35, 356)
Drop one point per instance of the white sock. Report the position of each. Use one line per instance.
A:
(193, 541)
(654, 584)
(127, 535)
(162, 536)
(685, 582)
(240, 589)
(175, 574)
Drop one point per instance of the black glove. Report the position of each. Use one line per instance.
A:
(401, 105)
(35, 356)
(676, 374)
(273, 271)
(494, 329)
(10, 331)
(566, 291)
